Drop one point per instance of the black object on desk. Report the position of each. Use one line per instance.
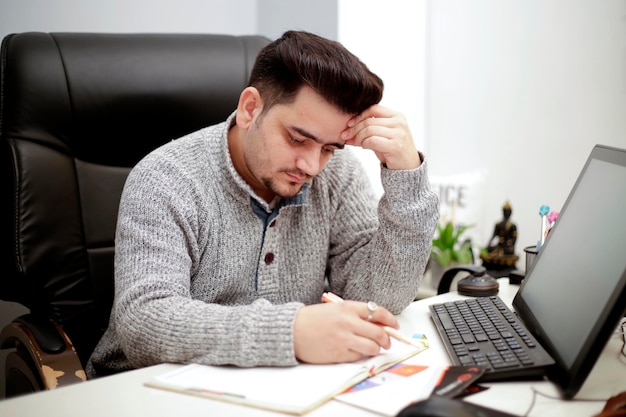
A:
(516, 277)
(477, 284)
(448, 407)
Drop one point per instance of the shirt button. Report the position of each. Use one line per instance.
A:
(269, 258)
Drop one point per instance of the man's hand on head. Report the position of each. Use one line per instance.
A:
(385, 132)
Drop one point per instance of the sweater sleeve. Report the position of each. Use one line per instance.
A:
(380, 252)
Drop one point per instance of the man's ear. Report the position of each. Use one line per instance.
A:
(249, 107)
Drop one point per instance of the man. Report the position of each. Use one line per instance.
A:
(227, 237)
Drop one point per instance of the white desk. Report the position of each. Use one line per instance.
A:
(124, 395)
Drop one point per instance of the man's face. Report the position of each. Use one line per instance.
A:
(290, 144)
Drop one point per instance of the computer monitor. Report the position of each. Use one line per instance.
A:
(575, 293)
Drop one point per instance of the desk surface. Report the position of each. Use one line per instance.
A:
(125, 395)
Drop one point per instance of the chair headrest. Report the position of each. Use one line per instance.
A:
(108, 96)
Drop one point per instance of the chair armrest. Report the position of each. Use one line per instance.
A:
(50, 354)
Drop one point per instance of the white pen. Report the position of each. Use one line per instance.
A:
(329, 297)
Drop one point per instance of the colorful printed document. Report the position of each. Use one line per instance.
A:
(394, 389)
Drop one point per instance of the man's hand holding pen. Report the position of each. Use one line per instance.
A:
(335, 332)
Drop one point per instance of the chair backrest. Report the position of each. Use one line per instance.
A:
(77, 111)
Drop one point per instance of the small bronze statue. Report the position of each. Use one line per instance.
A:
(500, 254)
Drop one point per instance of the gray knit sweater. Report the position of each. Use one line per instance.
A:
(200, 278)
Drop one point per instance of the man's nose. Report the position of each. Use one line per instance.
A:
(309, 162)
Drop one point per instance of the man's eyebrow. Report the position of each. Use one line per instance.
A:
(311, 136)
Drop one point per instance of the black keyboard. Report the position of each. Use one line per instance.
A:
(484, 331)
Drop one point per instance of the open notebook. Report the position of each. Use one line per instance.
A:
(293, 390)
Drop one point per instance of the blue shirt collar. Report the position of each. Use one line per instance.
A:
(262, 210)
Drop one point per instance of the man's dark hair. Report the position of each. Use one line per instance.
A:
(300, 58)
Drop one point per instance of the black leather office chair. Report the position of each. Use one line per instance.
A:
(77, 111)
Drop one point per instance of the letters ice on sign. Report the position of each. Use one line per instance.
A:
(461, 199)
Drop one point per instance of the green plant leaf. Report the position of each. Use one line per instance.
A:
(447, 247)
(464, 253)
(443, 257)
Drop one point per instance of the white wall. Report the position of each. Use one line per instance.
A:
(267, 17)
(518, 93)
(215, 16)
(317, 16)
(507, 98)
(391, 41)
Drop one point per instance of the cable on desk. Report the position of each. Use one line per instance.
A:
(553, 397)
(621, 356)
(532, 402)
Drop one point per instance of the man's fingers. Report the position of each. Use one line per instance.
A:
(375, 111)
